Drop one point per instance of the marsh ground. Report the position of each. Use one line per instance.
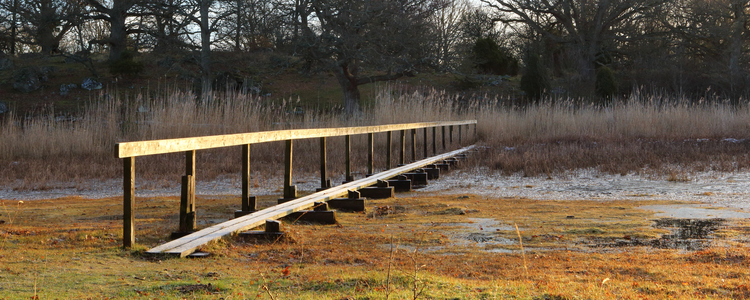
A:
(449, 244)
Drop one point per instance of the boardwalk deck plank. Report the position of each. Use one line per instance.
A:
(188, 244)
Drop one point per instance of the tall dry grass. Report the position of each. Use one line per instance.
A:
(641, 131)
(637, 117)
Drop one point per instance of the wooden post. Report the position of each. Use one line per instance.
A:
(290, 191)
(187, 201)
(434, 141)
(424, 142)
(348, 150)
(388, 151)
(370, 154)
(413, 145)
(443, 129)
(248, 203)
(403, 147)
(324, 183)
(459, 134)
(450, 128)
(128, 202)
(475, 131)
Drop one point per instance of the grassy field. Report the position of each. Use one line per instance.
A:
(420, 246)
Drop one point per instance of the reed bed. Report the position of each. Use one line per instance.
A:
(634, 134)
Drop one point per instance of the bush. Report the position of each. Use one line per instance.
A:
(534, 81)
(490, 58)
(126, 65)
(606, 86)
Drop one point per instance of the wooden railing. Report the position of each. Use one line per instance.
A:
(128, 151)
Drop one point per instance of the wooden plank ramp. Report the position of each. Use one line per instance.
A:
(186, 245)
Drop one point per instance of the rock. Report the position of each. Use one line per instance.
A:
(66, 88)
(5, 62)
(31, 78)
(3, 108)
(91, 84)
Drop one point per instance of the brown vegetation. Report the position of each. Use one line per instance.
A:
(436, 245)
(648, 135)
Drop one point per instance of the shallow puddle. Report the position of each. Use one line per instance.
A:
(482, 233)
(684, 234)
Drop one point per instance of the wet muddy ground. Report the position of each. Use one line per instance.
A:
(707, 202)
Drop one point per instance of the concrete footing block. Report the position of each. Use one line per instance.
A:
(271, 233)
(432, 172)
(417, 179)
(443, 166)
(346, 204)
(451, 161)
(320, 217)
(400, 186)
(377, 192)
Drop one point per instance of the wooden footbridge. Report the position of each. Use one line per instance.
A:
(249, 217)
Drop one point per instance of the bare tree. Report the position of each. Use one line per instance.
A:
(253, 24)
(714, 38)
(43, 22)
(447, 35)
(116, 13)
(365, 41)
(587, 28)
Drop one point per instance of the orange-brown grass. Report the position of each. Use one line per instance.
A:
(70, 248)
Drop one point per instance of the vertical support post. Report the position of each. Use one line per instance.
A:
(370, 153)
(443, 129)
(388, 151)
(459, 134)
(451, 134)
(348, 150)
(324, 183)
(248, 203)
(413, 145)
(475, 131)
(424, 142)
(128, 202)
(434, 141)
(187, 201)
(403, 147)
(290, 191)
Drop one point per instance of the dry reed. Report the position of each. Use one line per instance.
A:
(539, 139)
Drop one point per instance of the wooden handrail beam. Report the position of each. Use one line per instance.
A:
(143, 148)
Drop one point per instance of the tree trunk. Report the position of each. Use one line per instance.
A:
(118, 36)
(205, 51)
(351, 91)
(238, 29)
(737, 41)
(13, 31)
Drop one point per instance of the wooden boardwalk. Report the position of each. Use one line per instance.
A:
(188, 244)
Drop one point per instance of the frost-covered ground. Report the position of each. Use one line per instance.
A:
(731, 190)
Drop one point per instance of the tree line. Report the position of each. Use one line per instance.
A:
(569, 47)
